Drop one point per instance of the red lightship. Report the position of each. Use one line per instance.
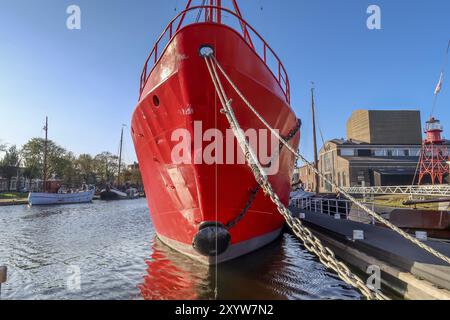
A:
(212, 212)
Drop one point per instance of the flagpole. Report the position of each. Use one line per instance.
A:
(441, 81)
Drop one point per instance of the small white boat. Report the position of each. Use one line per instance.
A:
(36, 199)
(54, 193)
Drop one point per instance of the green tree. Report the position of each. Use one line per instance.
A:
(11, 158)
(9, 164)
(70, 173)
(86, 167)
(33, 158)
(106, 167)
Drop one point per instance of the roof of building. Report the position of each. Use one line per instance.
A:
(347, 142)
(397, 171)
(383, 159)
(351, 142)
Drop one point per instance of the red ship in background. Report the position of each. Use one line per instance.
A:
(211, 212)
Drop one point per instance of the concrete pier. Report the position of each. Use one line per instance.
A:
(406, 269)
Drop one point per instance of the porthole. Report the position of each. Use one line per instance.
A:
(156, 101)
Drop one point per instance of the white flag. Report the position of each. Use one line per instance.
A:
(439, 86)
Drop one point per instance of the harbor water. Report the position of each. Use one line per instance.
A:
(109, 250)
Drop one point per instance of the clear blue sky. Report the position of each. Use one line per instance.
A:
(86, 81)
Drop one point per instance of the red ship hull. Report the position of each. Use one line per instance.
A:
(178, 95)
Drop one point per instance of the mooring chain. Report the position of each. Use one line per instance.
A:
(256, 190)
(370, 212)
(311, 242)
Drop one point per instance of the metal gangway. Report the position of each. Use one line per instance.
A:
(425, 190)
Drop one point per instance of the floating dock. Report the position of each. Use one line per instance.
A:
(406, 270)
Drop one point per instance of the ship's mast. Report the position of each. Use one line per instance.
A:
(45, 154)
(316, 157)
(120, 157)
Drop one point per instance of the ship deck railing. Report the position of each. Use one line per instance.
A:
(262, 49)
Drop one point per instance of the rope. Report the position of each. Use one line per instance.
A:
(311, 242)
(339, 189)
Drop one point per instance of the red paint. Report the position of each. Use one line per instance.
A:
(180, 197)
(434, 155)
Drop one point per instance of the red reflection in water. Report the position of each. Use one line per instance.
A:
(171, 276)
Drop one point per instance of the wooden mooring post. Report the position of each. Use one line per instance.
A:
(3, 277)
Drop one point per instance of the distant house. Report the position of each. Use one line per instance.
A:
(13, 180)
(134, 166)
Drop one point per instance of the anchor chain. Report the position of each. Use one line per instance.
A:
(370, 212)
(256, 190)
(311, 242)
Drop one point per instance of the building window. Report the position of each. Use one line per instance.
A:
(348, 152)
(364, 153)
(327, 162)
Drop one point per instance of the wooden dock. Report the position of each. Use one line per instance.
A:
(409, 271)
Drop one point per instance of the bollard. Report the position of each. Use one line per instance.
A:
(3, 277)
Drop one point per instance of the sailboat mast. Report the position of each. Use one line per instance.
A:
(120, 157)
(45, 154)
(316, 157)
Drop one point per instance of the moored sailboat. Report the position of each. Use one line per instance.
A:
(111, 192)
(53, 193)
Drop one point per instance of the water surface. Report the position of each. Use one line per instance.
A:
(114, 248)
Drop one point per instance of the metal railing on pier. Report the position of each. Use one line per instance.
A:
(338, 208)
(436, 190)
